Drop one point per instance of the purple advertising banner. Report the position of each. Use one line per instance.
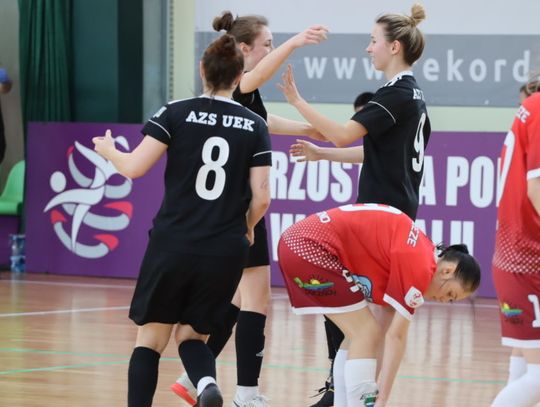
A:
(457, 197)
(83, 218)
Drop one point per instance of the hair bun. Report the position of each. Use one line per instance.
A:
(462, 248)
(225, 45)
(418, 14)
(223, 22)
(459, 248)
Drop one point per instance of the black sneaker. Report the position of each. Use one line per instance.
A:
(327, 399)
(210, 397)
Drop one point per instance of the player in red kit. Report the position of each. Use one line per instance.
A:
(516, 262)
(335, 262)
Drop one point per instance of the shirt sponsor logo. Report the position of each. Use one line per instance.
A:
(324, 217)
(412, 239)
(316, 286)
(511, 314)
(365, 285)
(210, 119)
(523, 114)
(414, 298)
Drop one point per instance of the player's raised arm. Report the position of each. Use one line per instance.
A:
(339, 134)
(269, 65)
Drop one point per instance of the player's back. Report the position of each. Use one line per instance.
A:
(518, 233)
(398, 132)
(213, 144)
(369, 233)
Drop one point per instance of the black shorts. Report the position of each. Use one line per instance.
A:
(186, 288)
(258, 253)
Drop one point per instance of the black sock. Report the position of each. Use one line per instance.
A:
(219, 337)
(329, 341)
(249, 347)
(142, 376)
(198, 360)
(336, 335)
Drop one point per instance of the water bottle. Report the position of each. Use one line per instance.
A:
(17, 253)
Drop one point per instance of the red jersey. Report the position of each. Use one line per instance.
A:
(379, 247)
(517, 244)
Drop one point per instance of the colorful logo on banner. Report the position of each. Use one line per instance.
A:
(83, 205)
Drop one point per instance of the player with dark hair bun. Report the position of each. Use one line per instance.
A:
(216, 191)
(336, 261)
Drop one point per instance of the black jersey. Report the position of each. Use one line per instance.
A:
(252, 101)
(398, 132)
(212, 143)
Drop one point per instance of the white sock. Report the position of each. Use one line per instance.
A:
(246, 393)
(340, 391)
(205, 381)
(360, 381)
(516, 368)
(522, 392)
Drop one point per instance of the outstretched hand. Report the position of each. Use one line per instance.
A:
(305, 150)
(288, 86)
(104, 145)
(312, 35)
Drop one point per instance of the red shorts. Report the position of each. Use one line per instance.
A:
(519, 306)
(317, 290)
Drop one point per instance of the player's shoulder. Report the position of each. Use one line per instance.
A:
(256, 117)
(250, 114)
(532, 103)
(178, 103)
(394, 91)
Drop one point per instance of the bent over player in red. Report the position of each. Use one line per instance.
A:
(335, 262)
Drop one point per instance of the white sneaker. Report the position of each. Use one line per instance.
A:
(184, 389)
(257, 401)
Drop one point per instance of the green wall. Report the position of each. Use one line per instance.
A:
(107, 41)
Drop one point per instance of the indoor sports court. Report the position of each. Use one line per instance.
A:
(80, 79)
(66, 341)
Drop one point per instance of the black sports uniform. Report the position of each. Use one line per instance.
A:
(258, 253)
(398, 132)
(197, 249)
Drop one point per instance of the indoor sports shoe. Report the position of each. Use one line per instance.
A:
(210, 397)
(184, 389)
(327, 399)
(257, 401)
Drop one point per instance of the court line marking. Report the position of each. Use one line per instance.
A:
(461, 304)
(218, 362)
(68, 284)
(64, 311)
(278, 296)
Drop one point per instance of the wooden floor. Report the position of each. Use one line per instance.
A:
(66, 341)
